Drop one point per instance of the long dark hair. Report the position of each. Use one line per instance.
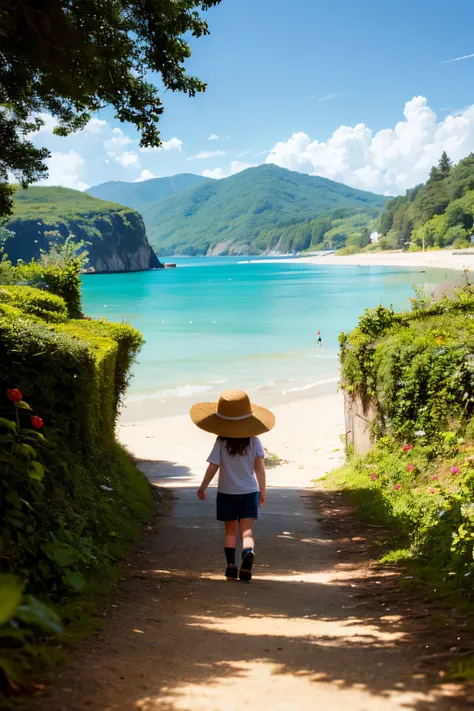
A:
(236, 445)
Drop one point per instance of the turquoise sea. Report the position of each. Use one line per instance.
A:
(211, 323)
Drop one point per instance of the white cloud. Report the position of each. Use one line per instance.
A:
(235, 167)
(244, 153)
(128, 158)
(49, 124)
(174, 144)
(213, 137)
(117, 143)
(388, 161)
(329, 97)
(95, 126)
(144, 175)
(205, 155)
(458, 59)
(64, 169)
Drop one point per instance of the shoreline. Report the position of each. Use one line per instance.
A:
(442, 259)
(172, 451)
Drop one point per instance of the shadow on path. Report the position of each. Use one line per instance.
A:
(303, 635)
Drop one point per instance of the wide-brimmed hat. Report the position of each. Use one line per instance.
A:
(233, 416)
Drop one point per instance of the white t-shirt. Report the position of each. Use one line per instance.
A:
(236, 474)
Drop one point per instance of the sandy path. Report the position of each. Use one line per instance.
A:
(180, 638)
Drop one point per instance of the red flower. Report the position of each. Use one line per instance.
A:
(435, 477)
(410, 467)
(373, 477)
(14, 395)
(432, 491)
(37, 422)
(454, 470)
(407, 447)
(397, 487)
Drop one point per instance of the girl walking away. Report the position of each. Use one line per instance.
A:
(238, 457)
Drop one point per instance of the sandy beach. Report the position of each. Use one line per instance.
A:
(440, 259)
(307, 436)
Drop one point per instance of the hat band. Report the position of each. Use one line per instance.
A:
(234, 419)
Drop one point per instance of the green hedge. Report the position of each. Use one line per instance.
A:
(71, 500)
(34, 302)
(63, 281)
(417, 368)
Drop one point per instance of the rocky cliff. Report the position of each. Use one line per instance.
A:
(115, 236)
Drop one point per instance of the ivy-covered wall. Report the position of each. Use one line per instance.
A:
(416, 369)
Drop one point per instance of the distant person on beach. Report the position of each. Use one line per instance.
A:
(238, 456)
(320, 340)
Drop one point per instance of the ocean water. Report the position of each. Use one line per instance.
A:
(216, 323)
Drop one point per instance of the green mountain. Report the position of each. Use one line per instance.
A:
(439, 213)
(248, 213)
(136, 195)
(115, 234)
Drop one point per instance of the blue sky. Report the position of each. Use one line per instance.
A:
(284, 76)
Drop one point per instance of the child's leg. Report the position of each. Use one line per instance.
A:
(246, 526)
(230, 541)
(246, 531)
(230, 536)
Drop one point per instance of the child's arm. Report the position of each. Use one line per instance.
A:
(261, 475)
(211, 472)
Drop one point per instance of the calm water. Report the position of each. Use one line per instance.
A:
(214, 323)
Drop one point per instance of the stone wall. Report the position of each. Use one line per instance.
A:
(358, 419)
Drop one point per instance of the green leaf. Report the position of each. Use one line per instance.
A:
(36, 471)
(11, 591)
(59, 554)
(11, 669)
(75, 580)
(22, 405)
(8, 424)
(34, 612)
(25, 449)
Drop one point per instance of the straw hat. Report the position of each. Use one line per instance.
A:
(232, 416)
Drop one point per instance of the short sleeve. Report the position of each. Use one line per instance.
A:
(215, 455)
(259, 451)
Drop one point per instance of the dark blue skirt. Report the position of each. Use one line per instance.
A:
(233, 507)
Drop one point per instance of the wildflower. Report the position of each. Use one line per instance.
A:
(454, 470)
(37, 422)
(14, 395)
(397, 487)
(407, 447)
(410, 467)
(420, 433)
(432, 491)
(373, 477)
(106, 488)
(435, 477)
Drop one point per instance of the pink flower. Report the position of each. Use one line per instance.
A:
(435, 477)
(37, 422)
(432, 491)
(373, 477)
(454, 470)
(397, 487)
(14, 395)
(407, 447)
(410, 467)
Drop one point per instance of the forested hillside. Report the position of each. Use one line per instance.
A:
(259, 210)
(439, 213)
(115, 235)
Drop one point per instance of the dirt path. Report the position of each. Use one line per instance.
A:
(300, 636)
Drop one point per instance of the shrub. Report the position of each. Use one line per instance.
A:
(60, 280)
(71, 500)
